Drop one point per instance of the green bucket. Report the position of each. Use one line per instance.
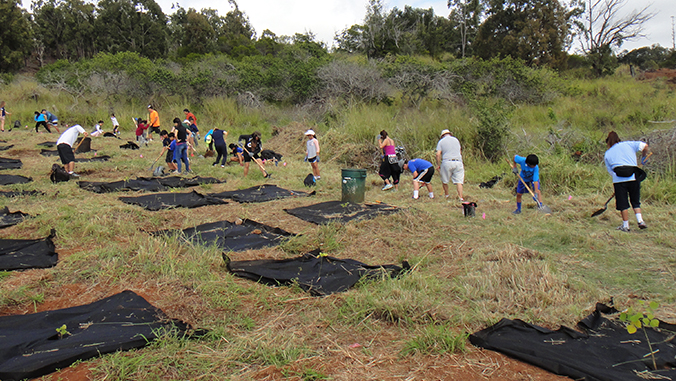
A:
(354, 185)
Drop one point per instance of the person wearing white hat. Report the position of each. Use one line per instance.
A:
(449, 162)
(312, 153)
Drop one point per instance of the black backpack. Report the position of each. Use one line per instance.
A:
(17, 124)
(309, 180)
(58, 174)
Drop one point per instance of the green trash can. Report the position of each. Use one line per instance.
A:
(354, 185)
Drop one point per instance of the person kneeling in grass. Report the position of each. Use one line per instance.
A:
(530, 173)
(65, 147)
(237, 153)
(422, 171)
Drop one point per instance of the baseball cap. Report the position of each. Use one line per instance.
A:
(444, 132)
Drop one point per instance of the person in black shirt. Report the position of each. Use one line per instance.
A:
(218, 138)
(252, 149)
(181, 153)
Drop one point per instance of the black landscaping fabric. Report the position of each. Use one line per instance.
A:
(261, 193)
(47, 144)
(93, 158)
(130, 145)
(110, 135)
(604, 350)
(20, 254)
(313, 272)
(47, 152)
(230, 236)
(6, 163)
(148, 184)
(14, 179)
(158, 201)
(338, 211)
(86, 145)
(491, 183)
(20, 193)
(8, 219)
(5, 148)
(32, 347)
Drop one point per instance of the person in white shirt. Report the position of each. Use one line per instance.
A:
(312, 153)
(449, 162)
(65, 147)
(116, 125)
(97, 129)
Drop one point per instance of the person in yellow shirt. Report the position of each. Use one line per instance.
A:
(153, 122)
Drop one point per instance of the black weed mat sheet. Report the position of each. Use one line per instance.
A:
(159, 201)
(37, 344)
(6, 163)
(601, 350)
(148, 184)
(261, 193)
(14, 179)
(232, 236)
(337, 211)
(5, 148)
(314, 272)
(20, 193)
(20, 254)
(10, 219)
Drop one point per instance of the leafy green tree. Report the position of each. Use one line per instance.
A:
(65, 28)
(236, 36)
(466, 14)
(268, 44)
(535, 31)
(15, 38)
(646, 58)
(132, 25)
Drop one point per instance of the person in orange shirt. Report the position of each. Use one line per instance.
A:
(188, 114)
(153, 122)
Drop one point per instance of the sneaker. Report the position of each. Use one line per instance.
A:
(214, 164)
(415, 198)
(318, 178)
(623, 229)
(642, 225)
(387, 186)
(222, 166)
(176, 172)
(461, 199)
(431, 196)
(73, 174)
(518, 211)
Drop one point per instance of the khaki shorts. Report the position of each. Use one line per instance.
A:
(452, 170)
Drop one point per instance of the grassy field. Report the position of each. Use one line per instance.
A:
(469, 272)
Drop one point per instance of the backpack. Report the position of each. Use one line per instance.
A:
(58, 174)
(17, 124)
(309, 180)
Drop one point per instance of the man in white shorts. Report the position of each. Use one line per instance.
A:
(449, 162)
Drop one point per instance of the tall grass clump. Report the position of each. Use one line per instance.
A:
(436, 339)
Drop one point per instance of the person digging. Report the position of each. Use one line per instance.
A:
(64, 146)
(529, 178)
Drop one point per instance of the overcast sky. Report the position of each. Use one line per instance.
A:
(325, 18)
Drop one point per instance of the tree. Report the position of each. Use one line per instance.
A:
(132, 25)
(535, 31)
(65, 28)
(467, 15)
(15, 39)
(646, 58)
(603, 28)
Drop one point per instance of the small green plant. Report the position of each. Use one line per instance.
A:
(62, 331)
(640, 319)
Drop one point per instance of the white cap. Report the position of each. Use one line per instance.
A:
(444, 132)
(309, 132)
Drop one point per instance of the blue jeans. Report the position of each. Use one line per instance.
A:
(181, 154)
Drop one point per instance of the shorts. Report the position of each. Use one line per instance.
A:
(169, 158)
(425, 176)
(54, 122)
(313, 159)
(452, 170)
(247, 157)
(520, 189)
(625, 192)
(154, 129)
(65, 153)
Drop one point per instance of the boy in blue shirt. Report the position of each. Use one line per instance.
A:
(168, 144)
(422, 171)
(530, 173)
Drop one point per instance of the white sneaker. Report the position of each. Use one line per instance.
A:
(387, 186)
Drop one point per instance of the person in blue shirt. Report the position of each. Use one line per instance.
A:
(530, 173)
(41, 120)
(168, 145)
(621, 163)
(52, 120)
(422, 171)
(237, 154)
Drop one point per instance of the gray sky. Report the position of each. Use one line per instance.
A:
(326, 17)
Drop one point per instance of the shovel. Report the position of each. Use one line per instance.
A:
(158, 158)
(605, 206)
(542, 208)
(267, 175)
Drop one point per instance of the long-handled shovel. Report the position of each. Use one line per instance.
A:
(267, 175)
(158, 158)
(542, 208)
(605, 206)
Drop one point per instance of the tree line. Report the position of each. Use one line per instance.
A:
(537, 32)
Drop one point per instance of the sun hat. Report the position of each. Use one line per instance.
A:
(309, 132)
(444, 132)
